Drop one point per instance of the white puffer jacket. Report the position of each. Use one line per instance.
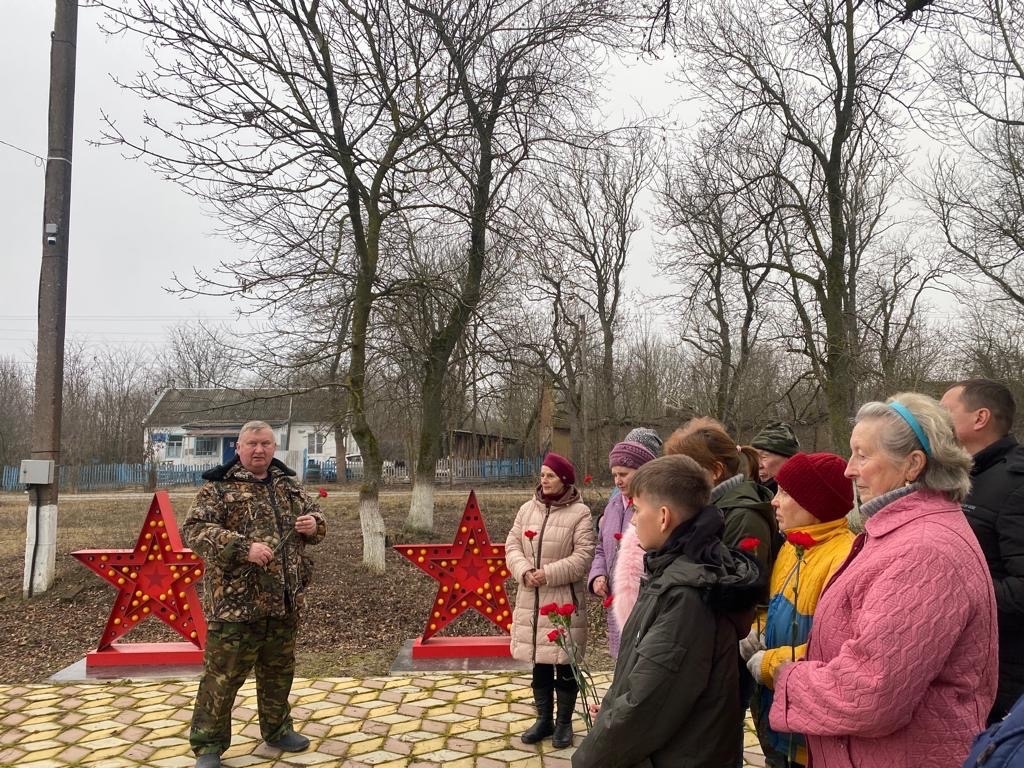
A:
(563, 545)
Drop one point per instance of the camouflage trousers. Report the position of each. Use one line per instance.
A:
(232, 651)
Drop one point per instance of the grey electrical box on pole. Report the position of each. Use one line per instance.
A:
(41, 527)
(36, 472)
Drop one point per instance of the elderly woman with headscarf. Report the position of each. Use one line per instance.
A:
(548, 552)
(900, 670)
(624, 460)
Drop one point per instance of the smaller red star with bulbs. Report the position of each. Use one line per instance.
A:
(471, 573)
(156, 578)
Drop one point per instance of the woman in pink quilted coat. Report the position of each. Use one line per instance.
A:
(901, 662)
(549, 551)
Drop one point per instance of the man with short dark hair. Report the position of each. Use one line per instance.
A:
(250, 523)
(983, 411)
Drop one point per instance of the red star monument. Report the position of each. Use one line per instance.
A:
(156, 578)
(471, 573)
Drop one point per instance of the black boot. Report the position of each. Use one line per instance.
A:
(562, 737)
(543, 698)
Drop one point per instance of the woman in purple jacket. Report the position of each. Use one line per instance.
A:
(624, 459)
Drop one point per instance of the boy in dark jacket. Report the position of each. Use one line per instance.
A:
(674, 698)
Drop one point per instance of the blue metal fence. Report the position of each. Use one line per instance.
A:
(9, 478)
(97, 477)
(447, 470)
(100, 477)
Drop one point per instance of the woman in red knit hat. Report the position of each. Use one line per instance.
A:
(549, 551)
(813, 499)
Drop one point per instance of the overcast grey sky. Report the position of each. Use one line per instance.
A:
(130, 230)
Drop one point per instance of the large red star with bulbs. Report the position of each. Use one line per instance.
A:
(156, 578)
(471, 573)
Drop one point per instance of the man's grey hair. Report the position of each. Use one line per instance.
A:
(255, 426)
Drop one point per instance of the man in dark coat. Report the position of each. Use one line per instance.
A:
(983, 413)
(674, 698)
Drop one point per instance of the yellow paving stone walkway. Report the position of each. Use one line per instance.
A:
(452, 720)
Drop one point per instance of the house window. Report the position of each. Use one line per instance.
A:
(175, 444)
(207, 446)
(315, 443)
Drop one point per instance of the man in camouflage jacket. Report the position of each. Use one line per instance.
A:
(250, 522)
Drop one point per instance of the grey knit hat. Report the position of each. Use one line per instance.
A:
(777, 437)
(648, 438)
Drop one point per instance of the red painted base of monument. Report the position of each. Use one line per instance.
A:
(145, 655)
(462, 647)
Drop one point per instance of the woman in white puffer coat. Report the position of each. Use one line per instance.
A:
(549, 551)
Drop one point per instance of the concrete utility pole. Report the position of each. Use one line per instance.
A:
(41, 537)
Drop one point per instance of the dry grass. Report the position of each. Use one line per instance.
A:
(355, 621)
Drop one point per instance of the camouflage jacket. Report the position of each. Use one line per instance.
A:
(233, 510)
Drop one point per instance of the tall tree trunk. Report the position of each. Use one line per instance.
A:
(372, 523)
(421, 509)
(421, 506)
(370, 518)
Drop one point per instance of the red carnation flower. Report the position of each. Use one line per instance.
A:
(323, 493)
(749, 544)
(549, 608)
(800, 539)
(554, 634)
(608, 601)
(566, 610)
(529, 534)
(618, 536)
(587, 479)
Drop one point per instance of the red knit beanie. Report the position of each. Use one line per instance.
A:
(562, 467)
(817, 483)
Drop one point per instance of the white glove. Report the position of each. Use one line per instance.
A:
(751, 644)
(754, 666)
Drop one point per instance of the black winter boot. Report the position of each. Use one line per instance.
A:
(543, 698)
(562, 737)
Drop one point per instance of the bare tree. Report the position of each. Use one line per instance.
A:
(977, 187)
(658, 17)
(649, 372)
(199, 355)
(301, 125)
(586, 226)
(898, 350)
(15, 411)
(722, 231)
(517, 70)
(819, 83)
(78, 439)
(123, 384)
(990, 343)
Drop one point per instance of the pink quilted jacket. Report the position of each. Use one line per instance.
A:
(901, 662)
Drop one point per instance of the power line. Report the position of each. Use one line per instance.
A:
(39, 158)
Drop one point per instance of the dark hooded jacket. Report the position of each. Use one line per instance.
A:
(995, 510)
(748, 512)
(674, 699)
(233, 510)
